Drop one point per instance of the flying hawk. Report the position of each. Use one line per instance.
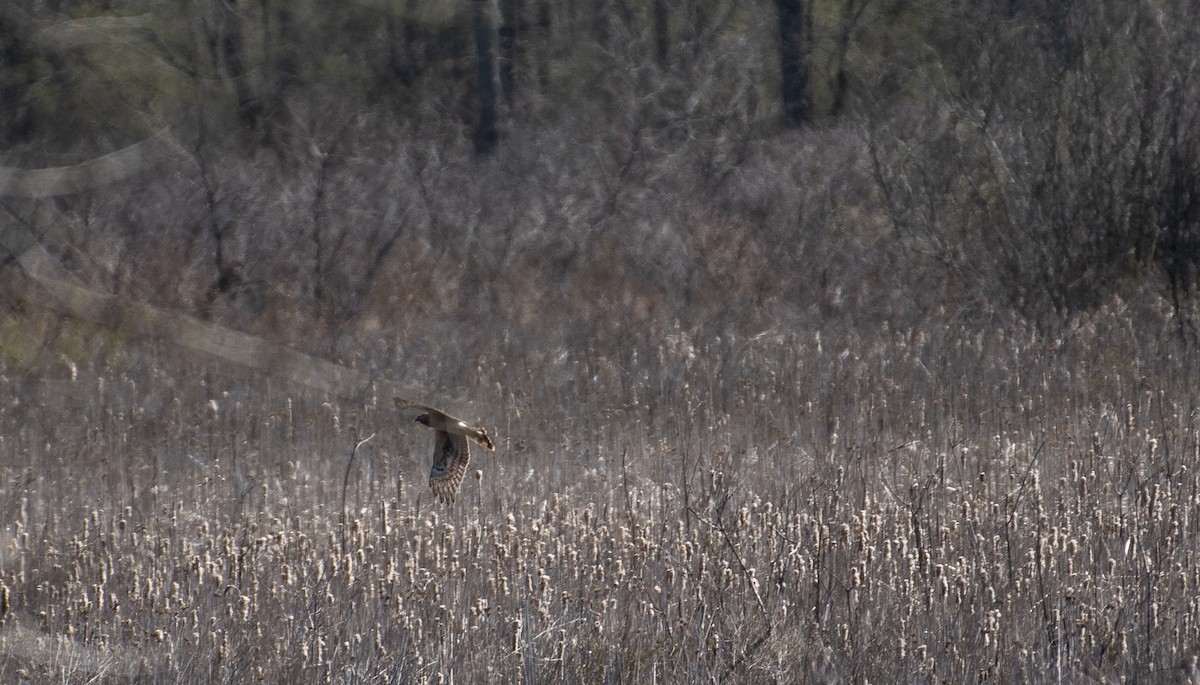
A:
(451, 451)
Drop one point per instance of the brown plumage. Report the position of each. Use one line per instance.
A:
(451, 449)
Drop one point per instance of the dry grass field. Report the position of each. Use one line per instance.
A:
(832, 342)
(961, 502)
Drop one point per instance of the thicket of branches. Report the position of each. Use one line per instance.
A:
(322, 165)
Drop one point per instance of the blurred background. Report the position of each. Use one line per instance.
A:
(370, 181)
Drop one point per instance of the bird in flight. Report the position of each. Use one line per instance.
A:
(451, 450)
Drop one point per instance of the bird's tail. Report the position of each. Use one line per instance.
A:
(480, 437)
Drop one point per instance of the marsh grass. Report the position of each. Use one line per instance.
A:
(947, 503)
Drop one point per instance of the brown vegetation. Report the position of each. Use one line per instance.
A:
(906, 394)
(921, 504)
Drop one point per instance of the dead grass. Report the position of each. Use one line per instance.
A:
(950, 503)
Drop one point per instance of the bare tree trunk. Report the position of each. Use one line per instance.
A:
(852, 13)
(601, 12)
(512, 45)
(793, 60)
(285, 62)
(486, 76)
(16, 118)
(542, 45)
(232, 50)
(662, 31)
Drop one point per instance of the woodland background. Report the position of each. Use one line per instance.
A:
(825, 340)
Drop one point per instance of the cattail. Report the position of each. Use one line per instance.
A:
(380, 648)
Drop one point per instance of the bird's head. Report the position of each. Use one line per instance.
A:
(423, 419)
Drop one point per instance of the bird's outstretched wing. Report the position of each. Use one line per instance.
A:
(451, 455)
(440, 420)
(413, 408)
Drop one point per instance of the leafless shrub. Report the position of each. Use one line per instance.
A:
(1050, 171)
